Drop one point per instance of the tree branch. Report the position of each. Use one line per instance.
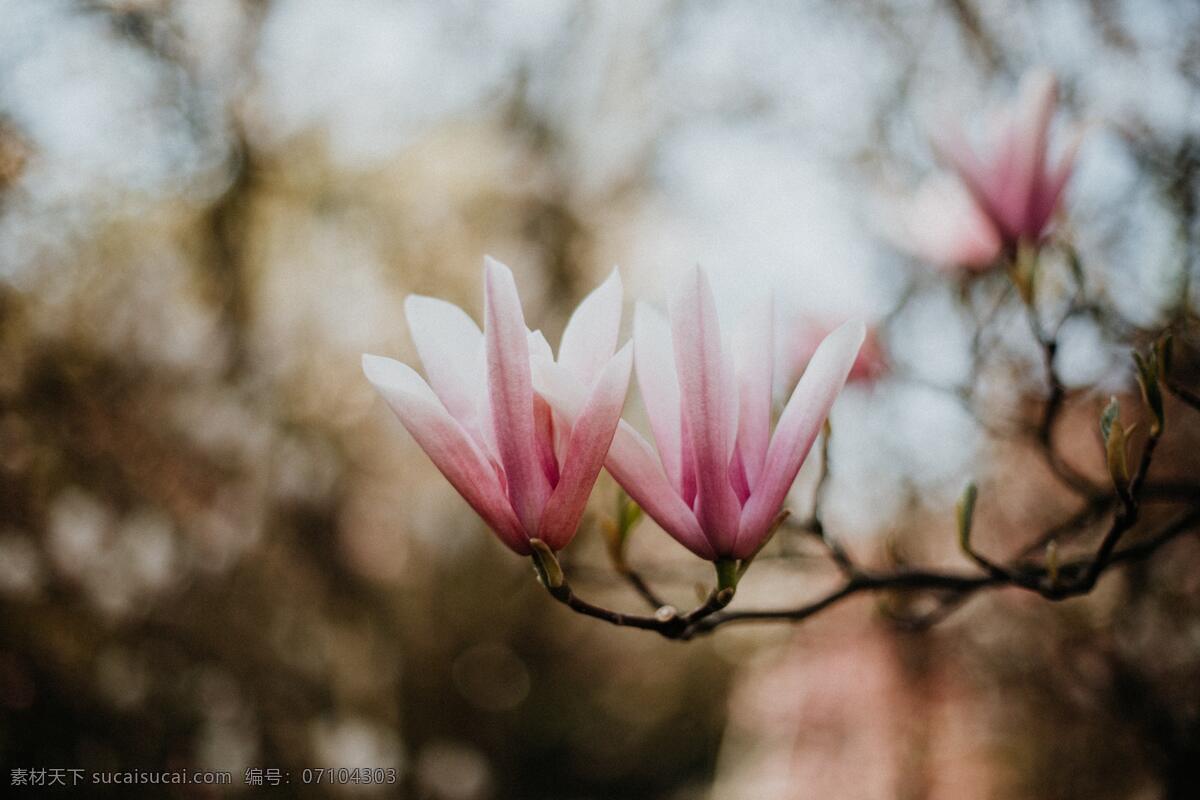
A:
(1045, 577)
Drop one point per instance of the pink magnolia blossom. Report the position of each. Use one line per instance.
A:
(719, 478)
(869, 365)
(943, 225)
(1012, 190)
(516, 463)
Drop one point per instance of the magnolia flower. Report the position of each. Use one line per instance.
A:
(869, 365)
(1012, 191)
(515, 462)
(719, 479)
(943, 225)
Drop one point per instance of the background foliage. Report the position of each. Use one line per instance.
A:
(218, 550)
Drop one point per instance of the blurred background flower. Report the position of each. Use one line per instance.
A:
(219, 550)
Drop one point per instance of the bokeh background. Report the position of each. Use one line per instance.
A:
(218, 550)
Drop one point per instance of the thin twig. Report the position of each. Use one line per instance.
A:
(1127, 516)
(1051, 411)
(564, 595)
(958, 586)
(1184, 394)
(643, 589)
(815, 526)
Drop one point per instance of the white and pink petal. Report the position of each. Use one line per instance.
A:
(510, 391)
(798, 427)
(447, 444)
(591, 435)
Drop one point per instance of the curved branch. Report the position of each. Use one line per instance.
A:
(1048, 578)
(1073, 579)
(960, 587)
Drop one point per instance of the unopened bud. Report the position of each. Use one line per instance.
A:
(1147, 374)
(1114, 448)
(1108, 416)
(616, 532)
(630, 513)
(1114, 434)
(966, 515)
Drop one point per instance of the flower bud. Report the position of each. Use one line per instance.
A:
(966, 515)
(1114, 444)
(1147, 374)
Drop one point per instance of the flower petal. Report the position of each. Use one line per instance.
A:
(946, 225)
(630, 461)
(538, 346)
(587, 448)
(451, 349)
(756, 379)
(447, 444)
(655, 359)
(1051, 185)
(590, 337)
(632, 464)
(798, 427)
(704, 384)
(1031, 119)
(952, 148)
(511, 392)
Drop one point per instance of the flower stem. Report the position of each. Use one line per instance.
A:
(727, 573)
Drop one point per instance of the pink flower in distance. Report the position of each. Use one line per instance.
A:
(943, 225)
(720, 477)
(525, 471)
(1012, 191)
(1015, 185)
(869, 365)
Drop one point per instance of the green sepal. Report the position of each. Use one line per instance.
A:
(546, 565)
(727, 573)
